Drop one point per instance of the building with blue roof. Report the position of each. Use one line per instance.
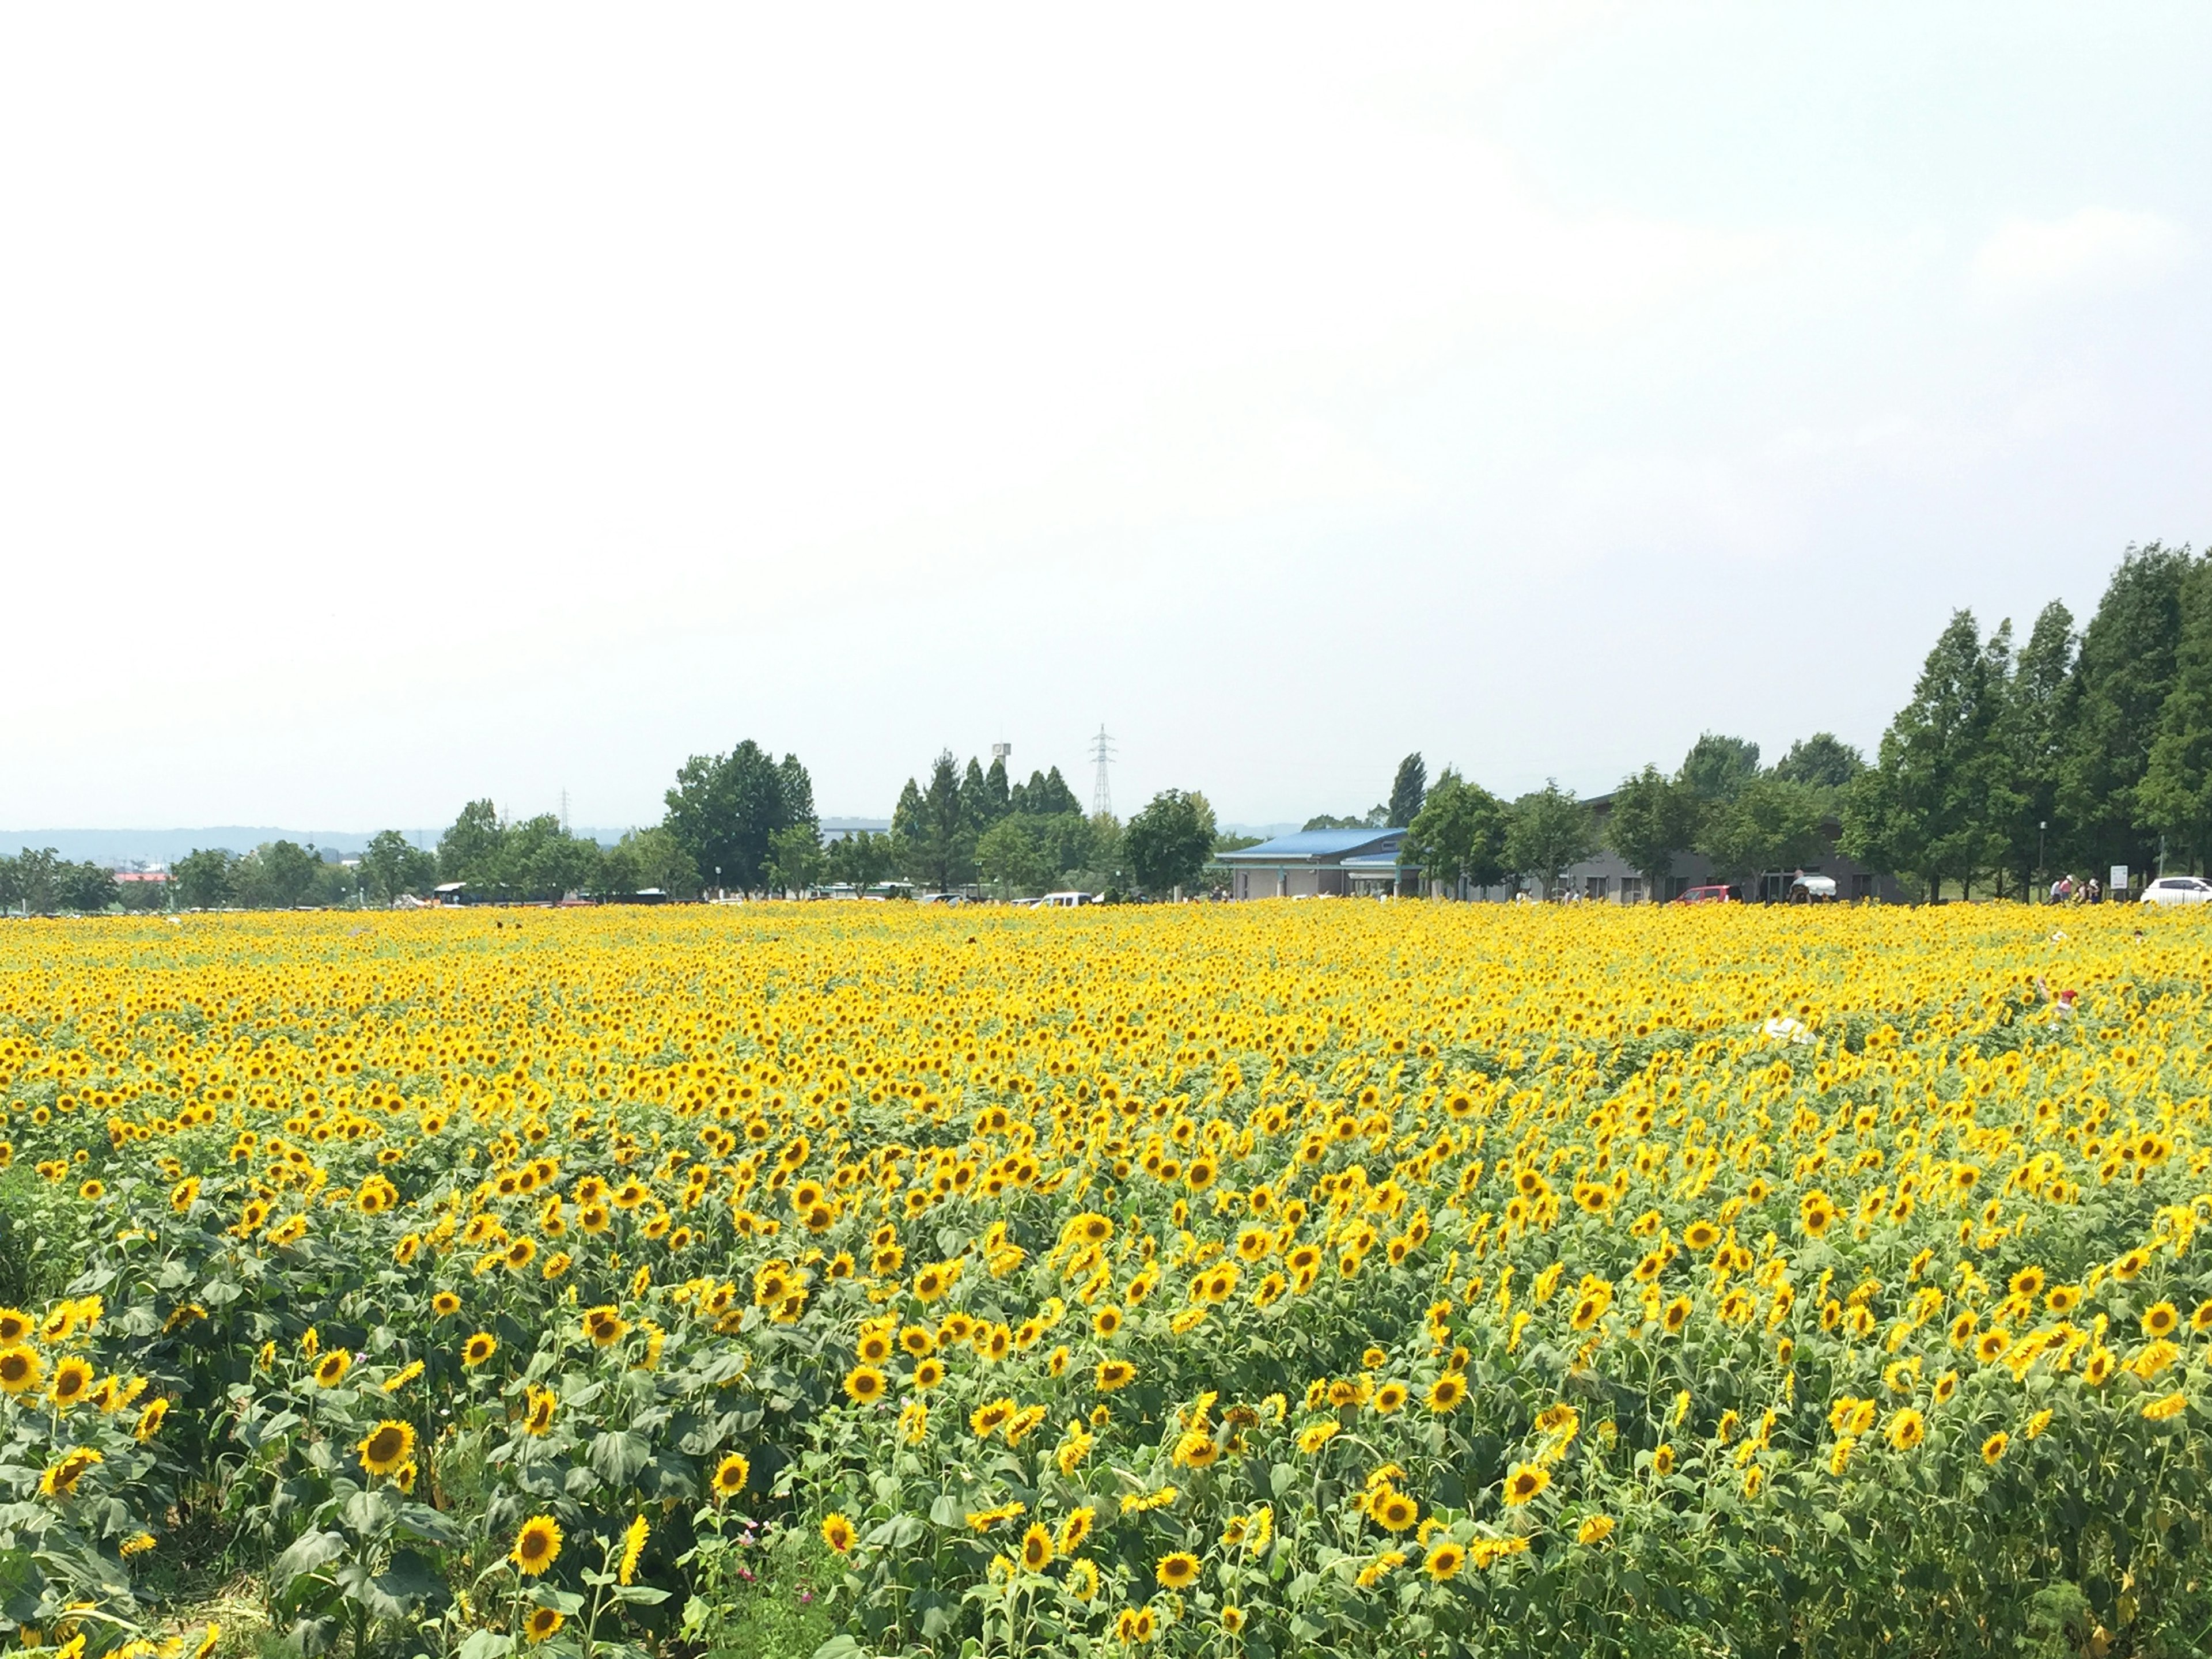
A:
(1320, 863)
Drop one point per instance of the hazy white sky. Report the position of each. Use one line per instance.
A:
(404, 404)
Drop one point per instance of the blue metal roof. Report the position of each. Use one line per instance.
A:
(1311, 845)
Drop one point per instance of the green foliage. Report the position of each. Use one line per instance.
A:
(1545, 832)
(1653, 819)
(1459, 835)
(1716, 766)
(1407, 790)
(1168, 843)
(932, 830)
(1935, 805)
(725, 809)
(1770, 823)
(795, 861)
(2121, 679)
(392, 865)
(201, 877)
(1823, 760)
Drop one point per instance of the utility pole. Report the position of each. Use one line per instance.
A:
(1102, 791)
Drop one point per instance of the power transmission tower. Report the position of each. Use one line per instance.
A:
(1102, 791)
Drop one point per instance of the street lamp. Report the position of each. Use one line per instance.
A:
(718, 881)
(2041, 824)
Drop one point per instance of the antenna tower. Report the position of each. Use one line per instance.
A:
(1102, 791)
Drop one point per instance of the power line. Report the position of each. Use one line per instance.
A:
(1102, 791)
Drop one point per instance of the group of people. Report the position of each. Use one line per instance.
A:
(2067, 890)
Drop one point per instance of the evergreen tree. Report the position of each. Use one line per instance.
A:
(2035, 725)
(2176, 795)
(1933, 805)
(933, 834)
(2122, 677)
(1406, 792)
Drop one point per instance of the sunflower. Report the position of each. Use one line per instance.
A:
(1177, 1572)
(149, 1420)
(1232, 1618)
(479, 1348)
(838, 1533)
(604, 1326)
(537, 1415)
(1036, 1548)
(21, 1370)
(928, 1374)
(730, 1475)
(536, 1547)
(1445, 1560)
(1075, 1528)
(633, 1537)
(1446, 1392)
(1993, 1448)
(330, 1369)
(1082, 1580)
(1524, 1482)
(16, 1325)
(864, 1384)
(1114, 1374)
(2160, 1319)
(1394, 1511)
(1906, 1429)
(73, 1380)
(60, 1480)
(1389, 1397)
(386, 1446)
(445, 1304)
(543, 1622)
(1594, 1529)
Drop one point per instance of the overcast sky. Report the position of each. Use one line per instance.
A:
(404, 404)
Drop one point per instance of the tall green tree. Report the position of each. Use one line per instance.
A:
(1770, 823)
(932, 831)
(1014, 857)
(2175, 798)
(392, 865)
(2035, 721)
(1935, 805)
(1547, 830)
(2122, 677)
(649, 861)
(469, 850)
(278, 875)
(795, 861)
(1168, 842)
(1459, 835)
(1407, 790)
(860, 859)
(1653, 819)
(203, 877)
(1716, 766)
(33, 880)
(87, 888)
(1824, 760)
(725, 808)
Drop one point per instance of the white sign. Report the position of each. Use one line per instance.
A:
(2119, 884)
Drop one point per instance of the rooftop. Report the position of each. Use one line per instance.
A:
(1317, 846)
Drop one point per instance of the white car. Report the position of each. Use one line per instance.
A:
(2179, 889)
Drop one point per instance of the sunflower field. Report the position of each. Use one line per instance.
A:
(1343, 1279)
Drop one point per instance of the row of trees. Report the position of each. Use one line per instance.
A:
(1719, 802)
(2075, 750)
(41, 883)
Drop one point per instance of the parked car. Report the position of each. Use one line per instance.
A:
(1812, 889)
(1064, 901)
(2179, 889)
(1715, 895)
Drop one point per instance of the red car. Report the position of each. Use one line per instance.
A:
(1706, 895)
